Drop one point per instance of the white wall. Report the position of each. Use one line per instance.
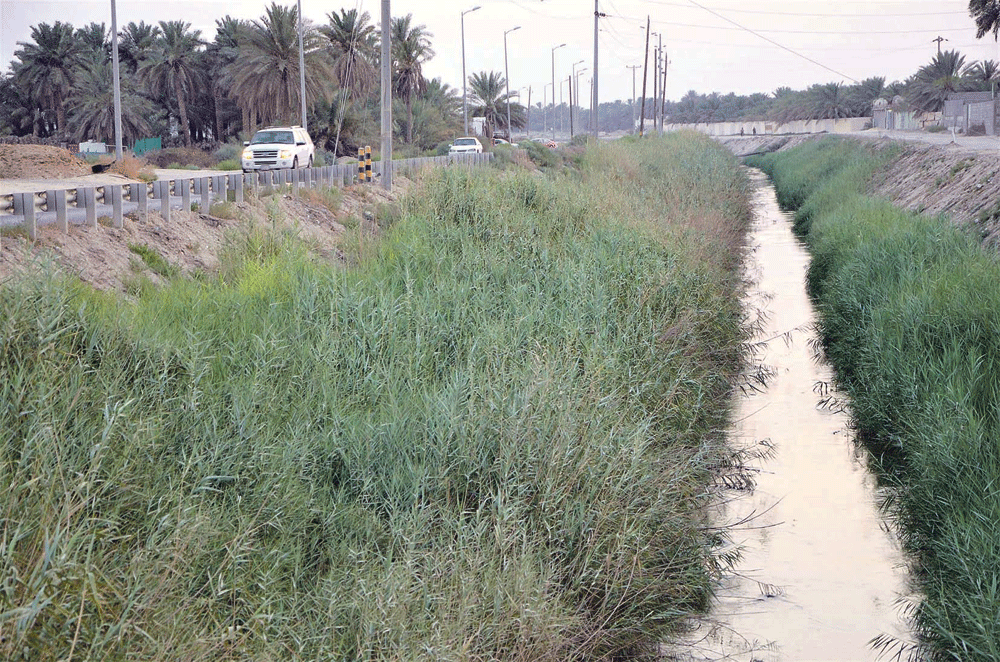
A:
(846, 125)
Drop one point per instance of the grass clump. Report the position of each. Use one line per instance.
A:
(909, 318)
(156, 262)
(490, 440)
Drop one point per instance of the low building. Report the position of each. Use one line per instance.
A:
(895, 114)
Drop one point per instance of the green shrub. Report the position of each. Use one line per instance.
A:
(228, 152)
(480, 443)
(228, 165)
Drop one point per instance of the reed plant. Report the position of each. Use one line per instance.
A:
(909, 315)
(491, 438)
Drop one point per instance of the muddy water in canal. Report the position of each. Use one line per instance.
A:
(819, 577)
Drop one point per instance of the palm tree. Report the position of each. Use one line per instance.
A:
(411, 47)
(92, 102)
(983, 74)
(986, 13)
(174, 66)
(46, 67)
(93, 38)
(136, 44)
(220, 55)
(265, 77)
(352, 46)
(489, 100)
(827, 102)
(933, 82)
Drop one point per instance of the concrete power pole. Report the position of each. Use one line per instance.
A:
(386, 96)
(302, 71)
(118, 84)
(645, 70)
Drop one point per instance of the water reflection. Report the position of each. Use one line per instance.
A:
(819, 577)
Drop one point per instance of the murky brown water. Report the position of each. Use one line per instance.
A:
(819, 577)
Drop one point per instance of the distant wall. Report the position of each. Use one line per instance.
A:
(846, 125)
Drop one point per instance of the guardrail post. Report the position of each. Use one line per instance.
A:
(86, 197)
(294, 177)
(163, 191)
(185, 192)
(235, 182)
(206, 194)
(137, 193)
(116, 204)
(24, 205)
(55, 200)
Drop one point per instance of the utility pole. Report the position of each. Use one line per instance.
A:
(593, 98)
(645, 69)
(386, 96)
(656, 81)
(633, 67)
(118, 84)
(302, 71)
(939, 40)
(663, 91)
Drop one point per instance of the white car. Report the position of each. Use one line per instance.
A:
(466, 145)
(278, 147)
(501, 141)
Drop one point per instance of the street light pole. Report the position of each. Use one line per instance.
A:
(386, 96)
(510, 129)
(576, 86)
(118, 84)
(554, 89)
(465, 98)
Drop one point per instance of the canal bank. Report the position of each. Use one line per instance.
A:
(818, 578)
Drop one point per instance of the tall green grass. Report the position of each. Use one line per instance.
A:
(490, 439)
(910, 317)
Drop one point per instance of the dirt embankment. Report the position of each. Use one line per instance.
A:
(960, 182)
(37, 161)
(111, 258)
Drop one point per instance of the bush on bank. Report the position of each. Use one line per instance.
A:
(909, 315)
(490, 439)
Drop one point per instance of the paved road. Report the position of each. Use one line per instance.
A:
(979, 143)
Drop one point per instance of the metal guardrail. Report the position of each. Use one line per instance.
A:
(85, 204)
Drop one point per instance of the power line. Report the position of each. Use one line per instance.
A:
(768, 39)
(777, 31)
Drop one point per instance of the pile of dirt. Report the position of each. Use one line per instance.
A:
(39, 162)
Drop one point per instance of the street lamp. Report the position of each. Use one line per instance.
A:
(465, 100)
(576, 86)
(510, 131)
(545, 112)
(554, 86)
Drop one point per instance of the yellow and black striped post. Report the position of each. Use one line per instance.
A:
(361, 165)
(368, 163)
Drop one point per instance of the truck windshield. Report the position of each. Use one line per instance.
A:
(465, 141)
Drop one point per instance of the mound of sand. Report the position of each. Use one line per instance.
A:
(39, 162)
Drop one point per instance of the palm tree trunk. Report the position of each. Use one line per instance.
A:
(216, 99)
(182, 107)
(409, 119)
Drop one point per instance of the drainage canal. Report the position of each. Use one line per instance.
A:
(819, 578)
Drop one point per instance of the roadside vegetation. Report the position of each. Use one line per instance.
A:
(490, 438)
(909, 315)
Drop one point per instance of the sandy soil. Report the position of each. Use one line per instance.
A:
(39, 161)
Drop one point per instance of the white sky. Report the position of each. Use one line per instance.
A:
(856, 39)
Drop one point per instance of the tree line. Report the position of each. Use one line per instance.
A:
(175, 82)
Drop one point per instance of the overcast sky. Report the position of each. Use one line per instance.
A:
(712, 45)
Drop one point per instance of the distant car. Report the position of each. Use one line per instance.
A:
(278, 147)
(466, 145)
(501, 141)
